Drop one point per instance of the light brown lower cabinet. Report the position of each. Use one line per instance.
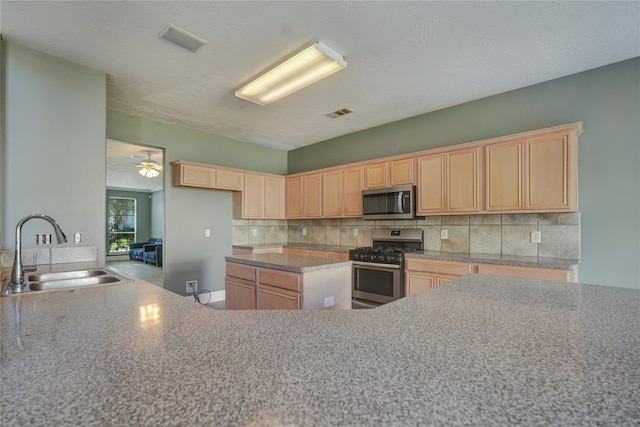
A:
(240, 287)
(422, 274)
(272, 289)
(561, 275)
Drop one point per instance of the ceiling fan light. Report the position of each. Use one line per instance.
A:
(299, 71)
(148, 172)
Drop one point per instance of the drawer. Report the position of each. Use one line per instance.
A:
(280, 279)
(440, 267)
(241, 271)
(528, 272)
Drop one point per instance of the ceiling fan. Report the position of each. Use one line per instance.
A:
(148, 167)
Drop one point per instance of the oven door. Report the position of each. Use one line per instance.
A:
(381, 283)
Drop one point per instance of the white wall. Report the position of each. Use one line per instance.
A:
(53, 149)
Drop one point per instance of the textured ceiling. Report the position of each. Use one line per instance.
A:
(404, 58)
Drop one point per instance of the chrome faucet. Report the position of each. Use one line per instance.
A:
(17, 274)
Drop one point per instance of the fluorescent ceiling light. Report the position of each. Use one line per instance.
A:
(312, 64)
(182, 38)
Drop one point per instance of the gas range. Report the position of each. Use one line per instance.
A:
(389, 246)
(387, 255)
(378, 270)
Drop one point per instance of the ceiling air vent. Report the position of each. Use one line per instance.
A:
(339, 113)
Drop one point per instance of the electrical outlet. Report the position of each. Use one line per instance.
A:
(207, 232)
(254, 232)
(77, 238)
(536, 236)
(192, 286)
(328, 301)
(304, 231)
(444, 234)
(355, 232)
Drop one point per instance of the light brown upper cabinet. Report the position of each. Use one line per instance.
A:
(294, 196)
(353, 185)
(449, 182)
(342, 192)
(262, 196)
(332, 193)
(202, 175)
(389, 173)
(312, 195)
(304, 196)
(538, 173)
(274, 199)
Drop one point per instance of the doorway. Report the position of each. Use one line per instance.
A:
(135, 209)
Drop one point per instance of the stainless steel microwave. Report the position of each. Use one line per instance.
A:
(389, 203)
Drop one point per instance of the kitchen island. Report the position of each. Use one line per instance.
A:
(480, 350)
(275, 281)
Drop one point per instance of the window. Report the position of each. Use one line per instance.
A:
(122, 224)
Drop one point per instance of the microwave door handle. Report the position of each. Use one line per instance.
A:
(400, 210)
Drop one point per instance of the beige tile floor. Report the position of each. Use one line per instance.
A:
(152, 274)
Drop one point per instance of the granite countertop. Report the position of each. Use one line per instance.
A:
(309, 246)
(480, 350)
(288, 262)
(520, 261)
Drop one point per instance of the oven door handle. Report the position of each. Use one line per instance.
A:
(376, 264)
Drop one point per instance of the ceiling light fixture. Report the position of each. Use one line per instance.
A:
(312, 64)
(148, 172)
(182, 38)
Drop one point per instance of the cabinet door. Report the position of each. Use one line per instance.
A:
(377, 175)
(444, 278)
(294, 197)
(274, 197)
(229, 180)
(561, 275)
(551, 170)
(312, 195)
(418, 282)
(332, 193)
(271, 298)
(253, 196)
(463, 181)
(193, 176)
(431, 184)
(353, 185)
(401, 172)
(504, 174)
(239, 294)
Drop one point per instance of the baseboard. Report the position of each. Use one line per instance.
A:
(124, 257)
(215, 296)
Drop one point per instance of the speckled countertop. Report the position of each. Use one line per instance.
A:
(480, 350)
(287, 262)
(521, 261)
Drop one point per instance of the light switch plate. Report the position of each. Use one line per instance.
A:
(444, 234)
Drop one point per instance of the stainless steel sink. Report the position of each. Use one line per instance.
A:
(64, 275)
(68, 280)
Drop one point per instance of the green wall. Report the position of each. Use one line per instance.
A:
(53, 147)
(606, 100)
(188, 254)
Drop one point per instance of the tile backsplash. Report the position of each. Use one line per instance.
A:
(489, 234)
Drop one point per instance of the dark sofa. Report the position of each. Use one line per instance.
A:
(150, 251)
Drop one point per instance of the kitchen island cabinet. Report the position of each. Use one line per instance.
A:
(287, 282)
(542, 353)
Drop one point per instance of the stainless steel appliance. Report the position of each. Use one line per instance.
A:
(378, 270)
(389, 203)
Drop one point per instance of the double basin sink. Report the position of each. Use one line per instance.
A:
(47, 281)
